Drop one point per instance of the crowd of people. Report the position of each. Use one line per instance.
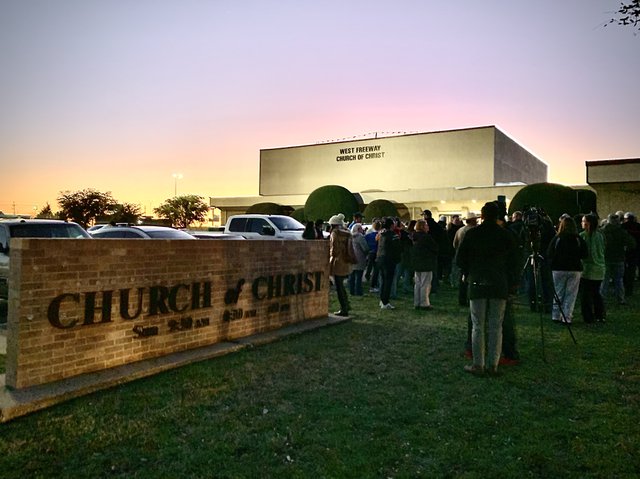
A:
(490, 260)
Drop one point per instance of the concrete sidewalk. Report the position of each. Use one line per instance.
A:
(18, 402)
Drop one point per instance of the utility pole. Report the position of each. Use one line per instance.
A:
(176, 177)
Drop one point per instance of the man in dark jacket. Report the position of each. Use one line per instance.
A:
(440, 235)
(488, 257)
(388, 256)
(617, 242)
(632, 257)
(424, 260)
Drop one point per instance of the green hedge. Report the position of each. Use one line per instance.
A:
(326, 201)
(266, 209)
(379, 209)
(553, 198)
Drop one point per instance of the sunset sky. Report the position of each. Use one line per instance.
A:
(118, 95)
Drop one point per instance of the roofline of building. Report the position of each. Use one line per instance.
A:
(354, 140)
(616, 161)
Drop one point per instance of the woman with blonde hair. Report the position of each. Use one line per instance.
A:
(565, 253)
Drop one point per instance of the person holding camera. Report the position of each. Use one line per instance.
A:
(488, 257)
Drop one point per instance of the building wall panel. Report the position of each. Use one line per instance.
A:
(425, 160)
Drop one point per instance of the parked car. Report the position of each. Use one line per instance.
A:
(23, 228)
(140, 232)
(258, 226)
(214, 235)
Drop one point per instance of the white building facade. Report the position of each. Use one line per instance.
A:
(449, 172)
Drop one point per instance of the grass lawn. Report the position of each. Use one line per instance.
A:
(382, 396)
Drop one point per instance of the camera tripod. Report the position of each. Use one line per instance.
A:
(535, 260)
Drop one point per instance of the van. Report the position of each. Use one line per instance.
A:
(264, 227)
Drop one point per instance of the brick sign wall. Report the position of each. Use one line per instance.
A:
(80, 306)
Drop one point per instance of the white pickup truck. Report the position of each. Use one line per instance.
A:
(264, 227)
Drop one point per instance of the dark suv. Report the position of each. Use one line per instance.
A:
(20, 228)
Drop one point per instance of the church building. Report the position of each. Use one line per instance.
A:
(448, 172)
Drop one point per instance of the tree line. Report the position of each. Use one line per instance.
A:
(88, 206)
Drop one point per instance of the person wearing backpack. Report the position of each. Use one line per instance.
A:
(389, 254)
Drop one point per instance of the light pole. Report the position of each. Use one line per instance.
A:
(176, 177)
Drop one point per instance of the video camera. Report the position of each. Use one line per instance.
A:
(532, 217)
(537, 224)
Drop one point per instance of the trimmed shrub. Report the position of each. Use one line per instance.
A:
(554, 199)
(298, 214)
(326, 201)
(587, 200)
(266, 209)
(380, 209)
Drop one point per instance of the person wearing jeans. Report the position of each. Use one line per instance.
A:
(488, 257)
(489, 311)
(591, 302)
(388, 257)
(565, 253)
(617, 242)
(372, 272)
(339, 262)
(361, 251)
(424, 259)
